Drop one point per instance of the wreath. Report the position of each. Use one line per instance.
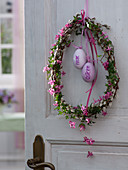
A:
(94, 32)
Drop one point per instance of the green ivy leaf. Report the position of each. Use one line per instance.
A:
(81, 124)
(60, 113)
(99, 55)
(67, 117)
(57, 108)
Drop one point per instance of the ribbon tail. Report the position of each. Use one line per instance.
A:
(94, 81)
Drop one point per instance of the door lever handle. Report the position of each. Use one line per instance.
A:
(38, 163)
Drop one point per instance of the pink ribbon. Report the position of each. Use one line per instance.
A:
(87, 39)
(77, 47)
(83, 16)
(94, 81)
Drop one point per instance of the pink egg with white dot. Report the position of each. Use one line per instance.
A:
(79, 58)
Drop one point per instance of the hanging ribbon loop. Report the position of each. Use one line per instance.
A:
(83, 16)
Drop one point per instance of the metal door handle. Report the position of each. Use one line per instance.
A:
(34, 165)
(38, 163)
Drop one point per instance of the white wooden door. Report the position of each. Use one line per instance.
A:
(64, 146)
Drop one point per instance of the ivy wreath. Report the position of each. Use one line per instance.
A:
(94, 32)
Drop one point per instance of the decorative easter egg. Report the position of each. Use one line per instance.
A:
(88, 72)
(79, 58)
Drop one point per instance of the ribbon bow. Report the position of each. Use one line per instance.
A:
(83, 17)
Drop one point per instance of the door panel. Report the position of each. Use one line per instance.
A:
(106, 156)
(74, 85)
(43, 19)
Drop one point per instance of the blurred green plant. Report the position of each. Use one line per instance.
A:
(6, 61)
(6, 31)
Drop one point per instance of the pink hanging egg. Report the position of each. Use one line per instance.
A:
(79, 58)
(88, 72)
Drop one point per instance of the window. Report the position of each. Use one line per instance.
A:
(12, 49)
(12, 79)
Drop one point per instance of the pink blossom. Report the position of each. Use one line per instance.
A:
(88, 141)
(61, 33)
(104, 113)
(46, 69)
(83, 108)
(105, 64)
(62, 30)
(82, 127)
(106, 96)
(56, 104)
(108, 49)
(103, 33)
(63, 73)
(51, 91)
(59, 62)
(100, 98)
(53, 45)
(51, 52)
(72, 124)
(61, 86)
(90, 154)
(110, 93)
(75, 107)
(85, 112)
(57, 37)
(51, 82)
(57, 91)
(68, 25)
(88, 120)
(106, 36)
(58, 88)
